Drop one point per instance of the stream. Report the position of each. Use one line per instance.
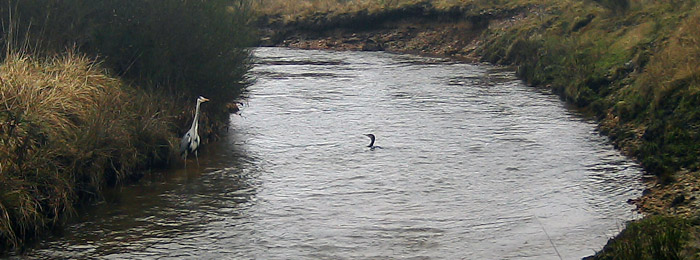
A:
(474, 164)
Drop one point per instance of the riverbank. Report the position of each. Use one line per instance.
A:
(634, 66)
(97, 93)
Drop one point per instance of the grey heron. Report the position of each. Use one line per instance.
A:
(190, 141)
(371, 143)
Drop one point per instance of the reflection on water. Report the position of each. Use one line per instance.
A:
(475, 166)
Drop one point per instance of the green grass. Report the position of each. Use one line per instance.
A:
(656, 237)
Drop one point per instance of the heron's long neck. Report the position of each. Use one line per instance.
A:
(195, 123)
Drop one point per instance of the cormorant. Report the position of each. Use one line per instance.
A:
(371, 143)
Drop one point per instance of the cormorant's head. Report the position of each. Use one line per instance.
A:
(371, 136)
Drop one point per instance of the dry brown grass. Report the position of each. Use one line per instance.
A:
(677, 62)
(67, 128)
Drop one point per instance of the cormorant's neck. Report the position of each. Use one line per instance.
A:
(371, 143)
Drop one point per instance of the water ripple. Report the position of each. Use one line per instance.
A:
(475, 165)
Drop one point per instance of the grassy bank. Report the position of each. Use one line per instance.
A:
(655, 237)
(67, 128)
(95, 92)
(634, 65)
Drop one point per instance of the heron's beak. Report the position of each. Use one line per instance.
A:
(204, 99)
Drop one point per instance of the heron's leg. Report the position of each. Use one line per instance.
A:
(196, 157)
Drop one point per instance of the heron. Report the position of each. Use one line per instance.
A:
(190, 141)
(371, 143)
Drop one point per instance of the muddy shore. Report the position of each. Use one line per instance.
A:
(453, 33)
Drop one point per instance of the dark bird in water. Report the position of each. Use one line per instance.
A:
(371, 143)
(190, 141)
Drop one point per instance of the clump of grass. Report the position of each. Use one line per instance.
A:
(67, 128)
(655, 237)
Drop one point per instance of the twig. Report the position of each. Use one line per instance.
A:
(550, 239)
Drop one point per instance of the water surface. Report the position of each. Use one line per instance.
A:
(474, 165)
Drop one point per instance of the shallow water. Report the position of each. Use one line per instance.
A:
(474, 165)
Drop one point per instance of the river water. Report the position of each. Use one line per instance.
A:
(474, 165)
